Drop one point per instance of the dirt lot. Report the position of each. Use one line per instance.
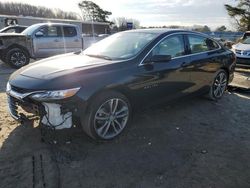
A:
(191, 144)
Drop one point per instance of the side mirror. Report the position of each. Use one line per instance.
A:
(159, 59)
(39, 34)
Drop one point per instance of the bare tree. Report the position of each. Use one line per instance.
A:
(121, 23)
(35, 11)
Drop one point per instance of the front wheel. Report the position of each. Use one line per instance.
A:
(219, 85)
(107, 116)
(17, 58)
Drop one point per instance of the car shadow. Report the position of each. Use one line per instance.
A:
(193, 143)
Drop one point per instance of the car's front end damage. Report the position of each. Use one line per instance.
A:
(51, 90)
(55, 109)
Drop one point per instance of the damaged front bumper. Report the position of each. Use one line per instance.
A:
(17, 99)
(57, 115)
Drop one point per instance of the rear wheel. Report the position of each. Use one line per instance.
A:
(17, 58)
(219, 85)
(107, 116)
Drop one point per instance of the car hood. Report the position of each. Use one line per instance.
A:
(11, 35)
(59, 65)
(241, 46)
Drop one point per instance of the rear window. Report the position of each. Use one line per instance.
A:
(69, 31)
(200, 44)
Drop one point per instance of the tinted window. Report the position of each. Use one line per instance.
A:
(69, 31)
(173, 46)
(201, 44)
(13, 30)
(50, 31)
(246, 41)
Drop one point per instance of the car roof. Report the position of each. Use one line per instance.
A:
(13, 26)
(56, 24)
(166, 31)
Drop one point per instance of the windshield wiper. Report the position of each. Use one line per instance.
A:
(99, 56)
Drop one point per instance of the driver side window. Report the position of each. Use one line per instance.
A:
(172, 45)
(50, 31)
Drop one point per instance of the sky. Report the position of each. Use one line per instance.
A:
(154, 12)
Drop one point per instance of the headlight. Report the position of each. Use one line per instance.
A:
(8, 87)
(54, 95)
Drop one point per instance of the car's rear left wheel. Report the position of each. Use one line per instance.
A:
(107, 116)
(219, 85)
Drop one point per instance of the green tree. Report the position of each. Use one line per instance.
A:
(221, 28)
(205, 28)
(240, 13)
(93, 12)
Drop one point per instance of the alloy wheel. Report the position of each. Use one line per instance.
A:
(18, 59)
(111, 118)
(220, 84)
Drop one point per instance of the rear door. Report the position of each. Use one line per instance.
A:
(48, 41)
(72, 40)
(205, 60)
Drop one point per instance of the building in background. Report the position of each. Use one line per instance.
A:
(88, 28)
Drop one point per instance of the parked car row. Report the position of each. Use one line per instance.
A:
(241, 48)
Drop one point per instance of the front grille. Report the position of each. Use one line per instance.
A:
(238, 51)
(242, 52)
(12, 104)
(243, 61)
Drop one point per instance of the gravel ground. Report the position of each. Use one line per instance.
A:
(194, 143)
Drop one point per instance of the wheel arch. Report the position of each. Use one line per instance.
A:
(123, 90)
(226, 70)
(17, 46)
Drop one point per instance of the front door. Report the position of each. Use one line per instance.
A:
(165, 80)
(48, 42)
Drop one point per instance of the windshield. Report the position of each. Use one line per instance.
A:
(246, 41)
(2, 30)
(121, 45)
(30, 29)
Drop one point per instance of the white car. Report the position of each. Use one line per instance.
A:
(242, 51)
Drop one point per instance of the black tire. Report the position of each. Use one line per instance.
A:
(3, 59)
(94, 127)
(219, 85)
(17, 58)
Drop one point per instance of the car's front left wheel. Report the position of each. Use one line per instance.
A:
(17, 58)
(107, 116)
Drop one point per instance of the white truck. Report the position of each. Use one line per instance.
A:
(39, 41)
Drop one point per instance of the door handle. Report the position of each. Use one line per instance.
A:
(185, 64)
(56, 40)
(76, 40)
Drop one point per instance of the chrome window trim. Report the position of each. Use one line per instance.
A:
(181, 33)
